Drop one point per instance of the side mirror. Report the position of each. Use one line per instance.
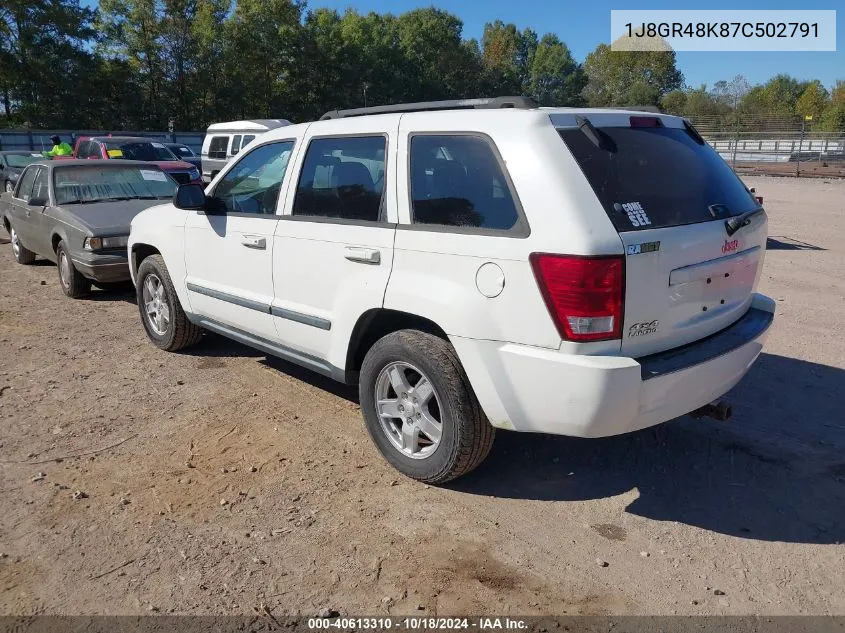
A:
(190, 197)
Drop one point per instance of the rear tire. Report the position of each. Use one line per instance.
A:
(420, 409)
(22, 254)
(73, 284)
(162, 315)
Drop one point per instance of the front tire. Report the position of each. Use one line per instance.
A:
(162, 315)
(420, 409)
(22, 254)
(73, 284)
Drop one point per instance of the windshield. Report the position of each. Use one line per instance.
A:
(655, 177)
(181, 150)
(96, 184)
(21, 160)
(139, 150)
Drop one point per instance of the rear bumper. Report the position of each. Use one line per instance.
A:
(105, 268)
(540, 390)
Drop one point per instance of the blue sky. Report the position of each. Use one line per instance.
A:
(584, 25)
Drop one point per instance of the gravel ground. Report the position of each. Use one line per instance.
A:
(218, 481)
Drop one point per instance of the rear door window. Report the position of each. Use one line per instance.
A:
(218, 146)
(654, 177)
(249, 138)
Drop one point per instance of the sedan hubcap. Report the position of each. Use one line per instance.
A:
(16, 244)
(64, 269)
(155, 304)
(409, 410)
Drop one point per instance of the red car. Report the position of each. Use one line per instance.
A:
(137, 148)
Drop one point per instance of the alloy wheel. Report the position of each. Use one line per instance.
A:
(156, 306)
(408, 409)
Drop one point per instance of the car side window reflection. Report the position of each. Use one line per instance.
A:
(252, 185)
(40, 188)
(25, 184)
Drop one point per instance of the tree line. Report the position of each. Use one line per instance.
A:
(764, 107)
(144, 64)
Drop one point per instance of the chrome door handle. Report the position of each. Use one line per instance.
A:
(252, 241)
(363, 255)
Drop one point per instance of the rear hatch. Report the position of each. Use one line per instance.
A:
(675, 204)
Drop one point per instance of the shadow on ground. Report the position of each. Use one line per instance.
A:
(122, 291)
(780, 243)
(775, 472)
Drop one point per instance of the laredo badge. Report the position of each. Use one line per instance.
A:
(645, 247)
(643, 329)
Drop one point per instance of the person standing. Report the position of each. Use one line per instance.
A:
(59, 148)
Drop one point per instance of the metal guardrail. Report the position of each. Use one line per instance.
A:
(39, 140)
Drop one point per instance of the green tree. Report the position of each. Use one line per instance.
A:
(812, 101)
(629, 78)
(43, 60)
(837, 95)
(439, 65)
(674, 102)
(555, 78)
(508, 55)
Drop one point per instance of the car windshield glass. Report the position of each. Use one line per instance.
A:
(21, 160)
(653, 177)
(181, 150)
(139, 150)
(96, 184)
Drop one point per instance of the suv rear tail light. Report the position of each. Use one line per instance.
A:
(584, 295)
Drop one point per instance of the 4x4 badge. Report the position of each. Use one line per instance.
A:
(643, 329)
(645, 247)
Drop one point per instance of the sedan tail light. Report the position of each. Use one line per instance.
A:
(584, 295)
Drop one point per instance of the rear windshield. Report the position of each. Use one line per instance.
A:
(138, 150)
(655, 177)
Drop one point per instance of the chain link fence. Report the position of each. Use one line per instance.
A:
(775, 145)
(39, 140)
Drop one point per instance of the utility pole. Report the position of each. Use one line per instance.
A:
(365, 85)
(800, 146)
(736, 128)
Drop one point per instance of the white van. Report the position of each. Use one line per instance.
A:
(224, 140)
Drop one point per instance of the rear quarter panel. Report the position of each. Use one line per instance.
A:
(435, 269)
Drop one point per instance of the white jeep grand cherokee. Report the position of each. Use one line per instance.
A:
(472, 265)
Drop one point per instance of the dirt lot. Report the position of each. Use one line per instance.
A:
(241, 481)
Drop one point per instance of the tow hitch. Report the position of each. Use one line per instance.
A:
(718, 410)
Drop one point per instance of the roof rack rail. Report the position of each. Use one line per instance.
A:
(522, 103)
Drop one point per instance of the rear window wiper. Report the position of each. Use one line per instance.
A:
(734, 224)
(589, 130)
